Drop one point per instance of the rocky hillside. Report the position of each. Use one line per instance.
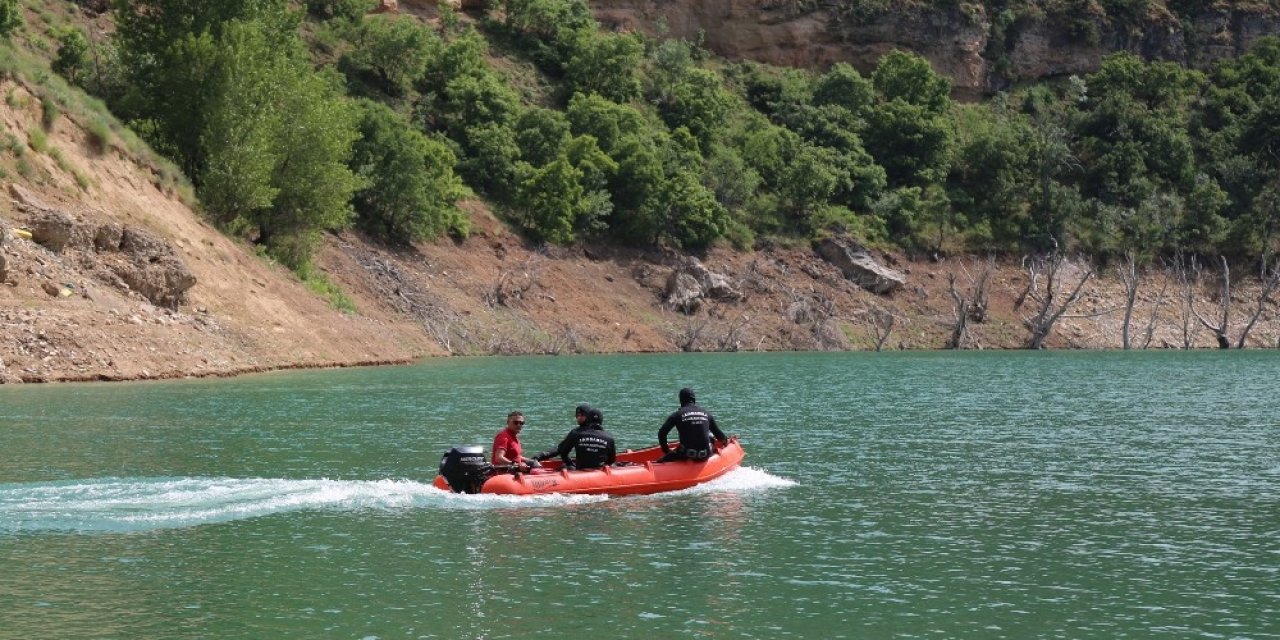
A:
(106, 273)
(107, 276)
(979, 51)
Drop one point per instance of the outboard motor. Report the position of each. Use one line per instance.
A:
(465, 469)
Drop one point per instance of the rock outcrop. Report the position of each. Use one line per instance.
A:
(126, 257)
(979, 52)
(691, 282)
(858, 266)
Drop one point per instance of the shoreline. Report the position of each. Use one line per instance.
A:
(82, 378)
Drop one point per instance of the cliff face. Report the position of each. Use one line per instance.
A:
(981, 53)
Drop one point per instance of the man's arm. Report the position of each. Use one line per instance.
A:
(500, 449)
(566, 447)
(666, 428)
(715, 430)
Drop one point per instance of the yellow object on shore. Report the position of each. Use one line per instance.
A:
(22, 233)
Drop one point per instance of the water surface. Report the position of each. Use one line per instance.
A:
(920, 495)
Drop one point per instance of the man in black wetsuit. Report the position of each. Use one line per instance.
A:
(696, 427)
(579, 414)
(591, 445)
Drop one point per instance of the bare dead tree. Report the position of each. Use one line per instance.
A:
(1131, 278)
(978, 302)
(1050, 303)
(881, 325)
(1150, 331)
(1187, 272)
(515, 281)
(969, 306)
(960, 313)
(690, 333)
(1223, 318)
(1269, 278)
(567, 341)
(734, 335)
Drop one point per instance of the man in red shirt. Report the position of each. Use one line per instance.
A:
(506, 445)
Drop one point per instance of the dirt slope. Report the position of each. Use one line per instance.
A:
(63, 316)
(243, 314)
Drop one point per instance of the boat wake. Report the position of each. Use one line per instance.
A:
(118, 505)
(742, 480)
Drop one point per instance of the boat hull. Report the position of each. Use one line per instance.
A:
(642, 476)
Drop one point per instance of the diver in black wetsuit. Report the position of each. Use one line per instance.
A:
(579, 414)
(591, 445)
(696, 427)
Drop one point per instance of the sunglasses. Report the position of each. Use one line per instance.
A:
(518, 422)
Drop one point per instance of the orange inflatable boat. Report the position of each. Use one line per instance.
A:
(637, 472)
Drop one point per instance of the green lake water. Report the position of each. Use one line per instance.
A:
(921, 495)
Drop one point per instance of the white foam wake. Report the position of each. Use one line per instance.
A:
(134, 504)
(127, 504)
(141, 504)
(742, 480)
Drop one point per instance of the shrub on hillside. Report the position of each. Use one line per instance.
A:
(10, 16)
(73, 52)
(410, 187)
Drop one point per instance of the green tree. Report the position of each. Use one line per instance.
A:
(908, 132)
(474, 101)
(1156, 85)
(548, 28)
(991, 179)
(639, 178)
(461, 91)
(1133, 131)
(315, 181)
(694, 219)
(770, 90)
(767, 148)
(551, 199)
(73, 52)
(843, 86)
(911, 143)
(280, 170)
(1261, 135)
(10, 17)
(391, 53)
(169, 52)
(410, 189)
(1202, 226)
(669, 60)
(238, 151)
(608, 122)
(606, 64)
(908, 77)
(836, 128)
(733, 182)
(541, 134)
(339, 9)
(699, 102)
(812, 176)
(460, 56)
(488, 160)
(596, 166)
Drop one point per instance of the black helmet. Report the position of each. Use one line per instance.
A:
(686, 396)
(582, 410)
(595, 416)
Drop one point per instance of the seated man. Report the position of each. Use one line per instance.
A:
(507, 450)
(579, 414)
(697, 427)
(592, 446)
